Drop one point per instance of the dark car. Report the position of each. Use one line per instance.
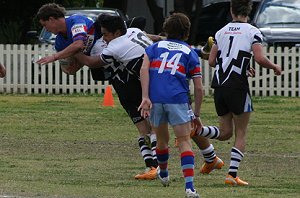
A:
(211, 17)
(279, 22)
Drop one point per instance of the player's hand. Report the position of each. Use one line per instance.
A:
(277, 70)
(145, 107)
(2, 71)
(197, 124)
(46, 59)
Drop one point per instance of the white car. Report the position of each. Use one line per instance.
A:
(279, 22)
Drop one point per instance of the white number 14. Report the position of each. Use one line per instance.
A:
(172, 63)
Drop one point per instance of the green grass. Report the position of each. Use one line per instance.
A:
(71, 146)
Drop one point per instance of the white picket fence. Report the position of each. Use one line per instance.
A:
(25, 76)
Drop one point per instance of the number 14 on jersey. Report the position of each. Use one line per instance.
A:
(172, 63)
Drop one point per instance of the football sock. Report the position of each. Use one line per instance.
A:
(162, 159)
(209, 154)
(153, 149)
(236, 158)
(145, 151)
(187, 166)
(211, 132)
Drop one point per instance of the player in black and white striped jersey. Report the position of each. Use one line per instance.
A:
(121, 51)
(231, 55)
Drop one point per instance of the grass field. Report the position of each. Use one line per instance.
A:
(71, 146)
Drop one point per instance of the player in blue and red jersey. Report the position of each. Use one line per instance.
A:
(74, 34)
(164, 72)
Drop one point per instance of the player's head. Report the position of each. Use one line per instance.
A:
(241, 7)
(111, 26)
(48, 15)
(177, 26)
(51, 10)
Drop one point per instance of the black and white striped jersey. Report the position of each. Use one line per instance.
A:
(234, 43)
(125, 54)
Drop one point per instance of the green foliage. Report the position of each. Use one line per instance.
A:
(71, 146)
(10, 31)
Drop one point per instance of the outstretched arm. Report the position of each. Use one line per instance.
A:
(90, 61)
(69, 51)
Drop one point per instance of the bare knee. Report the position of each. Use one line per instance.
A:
(225, 134)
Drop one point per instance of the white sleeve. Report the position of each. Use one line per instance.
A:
(98, 47)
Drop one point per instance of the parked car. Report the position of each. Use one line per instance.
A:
(212, 16)
(279, 22)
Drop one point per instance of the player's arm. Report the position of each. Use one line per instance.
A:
(262, 60)
(72, 49)
(198, 94)
(69, 51)
(198, 97)
(155, 38)
(90, 61)
(213, 56)
(146, 104)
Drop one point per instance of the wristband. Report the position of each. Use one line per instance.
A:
(197, 116)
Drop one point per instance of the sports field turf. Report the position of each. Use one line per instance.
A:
(71, 146)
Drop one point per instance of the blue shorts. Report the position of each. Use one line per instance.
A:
(174, 114)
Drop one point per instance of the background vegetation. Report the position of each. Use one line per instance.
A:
(72, 146)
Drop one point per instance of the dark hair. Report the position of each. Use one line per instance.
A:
(177, 26)
(111, 23)
(241, 7)
(51, 10)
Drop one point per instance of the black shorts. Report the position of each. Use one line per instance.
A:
(130, 96)
(236, 101)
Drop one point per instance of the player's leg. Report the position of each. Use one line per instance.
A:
(129, 98)
(146, 147)
(179, 118)
(182, 133)
(240, 104)
(153, 143)
(146, 151)
(162, 152)
(70, 65)
(237, 152)
(208, 152)
(223, 132)
(159, 123)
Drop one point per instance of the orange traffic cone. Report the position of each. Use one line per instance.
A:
(108, 99)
